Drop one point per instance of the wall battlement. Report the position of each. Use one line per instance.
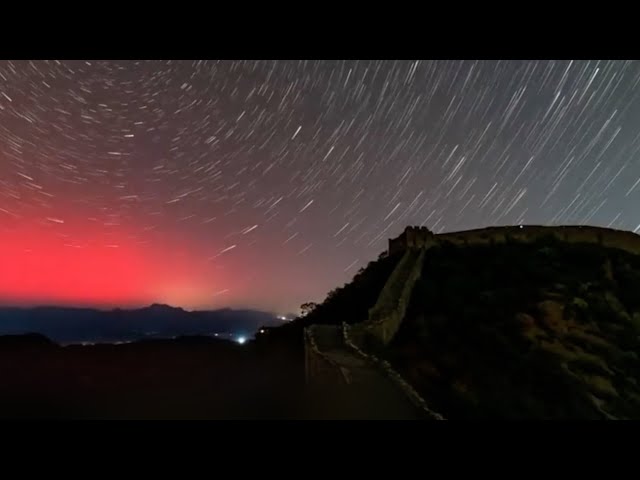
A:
(421, 237)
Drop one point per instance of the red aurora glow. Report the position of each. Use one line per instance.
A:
(37, 266)
(81, 263)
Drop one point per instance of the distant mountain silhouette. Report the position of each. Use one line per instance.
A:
(65, 325)
(163, 307)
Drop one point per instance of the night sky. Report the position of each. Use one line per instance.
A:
(265, 184)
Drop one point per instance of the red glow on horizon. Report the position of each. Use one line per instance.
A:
(38, 266)
(81, 263)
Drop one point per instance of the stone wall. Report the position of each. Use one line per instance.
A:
(387, 315)
(412, 238)
(388, 297)
(419, 237)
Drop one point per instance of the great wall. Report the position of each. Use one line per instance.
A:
(421, 237)
(343, 347)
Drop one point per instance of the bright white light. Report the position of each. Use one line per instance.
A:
(262, 330)
(241, 340)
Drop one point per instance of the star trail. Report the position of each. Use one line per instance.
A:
(266, 184)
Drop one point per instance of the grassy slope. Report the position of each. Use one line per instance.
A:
(548, 330)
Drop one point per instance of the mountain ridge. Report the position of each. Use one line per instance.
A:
(69, 324)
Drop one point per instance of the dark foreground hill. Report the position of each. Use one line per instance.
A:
(542, 330)
(184, 378)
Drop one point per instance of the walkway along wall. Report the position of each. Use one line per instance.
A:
(319, 368)
(394, 376)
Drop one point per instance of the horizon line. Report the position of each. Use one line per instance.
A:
(127, 308)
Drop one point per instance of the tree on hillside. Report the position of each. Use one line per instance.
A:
(308, 307)
(333, 293)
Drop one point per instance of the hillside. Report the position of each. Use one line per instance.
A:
(540, 330)
(351, 302)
